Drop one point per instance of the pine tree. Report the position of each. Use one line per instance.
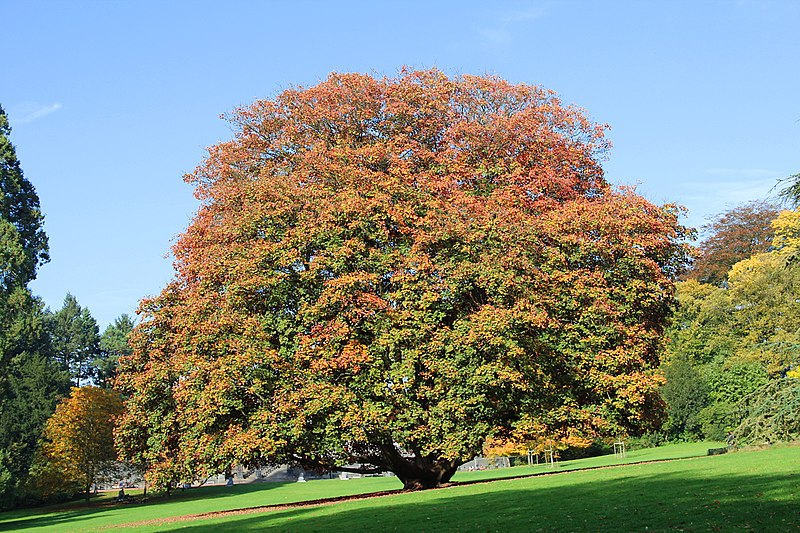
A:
(30, 385)
(113, 345)
(21, 218)
(76, 340)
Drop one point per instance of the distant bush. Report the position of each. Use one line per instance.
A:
(648, 440)
(718, 419)
(686, 395)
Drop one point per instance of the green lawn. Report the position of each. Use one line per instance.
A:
(733, 492)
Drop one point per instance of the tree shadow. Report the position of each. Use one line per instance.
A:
(664, 502)
(54, 520)
(58, 516)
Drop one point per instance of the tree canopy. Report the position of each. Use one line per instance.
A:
(742, 337)
(733, 236)
(24, 243)
(755, 317)
(77, 448)
(386, 272)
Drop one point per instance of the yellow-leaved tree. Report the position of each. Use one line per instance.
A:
(77, 449)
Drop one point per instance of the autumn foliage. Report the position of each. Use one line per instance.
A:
(386, 272)
(731, 237)
(77, 448)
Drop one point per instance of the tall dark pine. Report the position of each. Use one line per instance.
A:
(30, 384)
(21, 217)
(113, 345)
(75, 337)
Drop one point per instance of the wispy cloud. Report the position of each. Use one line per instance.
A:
(744, 172)
(521, 15)
(501, 32)
(496, 36)
(29, 112)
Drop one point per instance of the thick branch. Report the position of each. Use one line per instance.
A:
(319, 465)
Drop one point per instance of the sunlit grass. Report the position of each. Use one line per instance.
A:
(710, 491)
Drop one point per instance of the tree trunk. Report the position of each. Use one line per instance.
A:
(89, 478)
(417, 472)
(418, 477)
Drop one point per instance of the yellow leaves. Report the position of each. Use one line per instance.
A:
(744, 273)
(535, 438)
(787, 230)
(576, 441)
(78, 438)
(497, 447)
(691, 291)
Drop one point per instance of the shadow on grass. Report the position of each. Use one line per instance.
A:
(74, 512)
(214, 491)
(664, 502)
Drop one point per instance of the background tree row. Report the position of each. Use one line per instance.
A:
(41, 352)
(736, 334)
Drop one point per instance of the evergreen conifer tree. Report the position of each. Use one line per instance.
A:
(30, 384)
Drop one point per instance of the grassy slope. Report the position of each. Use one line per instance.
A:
(747, 491)
(701, 494)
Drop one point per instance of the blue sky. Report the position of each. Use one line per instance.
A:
(112, 102)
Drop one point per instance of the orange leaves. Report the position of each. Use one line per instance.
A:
(350, 297)
(336, 358)
(397, 266)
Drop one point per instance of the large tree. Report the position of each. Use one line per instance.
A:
(386, 272)
(29, 383)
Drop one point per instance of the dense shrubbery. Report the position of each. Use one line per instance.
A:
(733, 344)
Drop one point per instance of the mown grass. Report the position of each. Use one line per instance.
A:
(734, 492)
